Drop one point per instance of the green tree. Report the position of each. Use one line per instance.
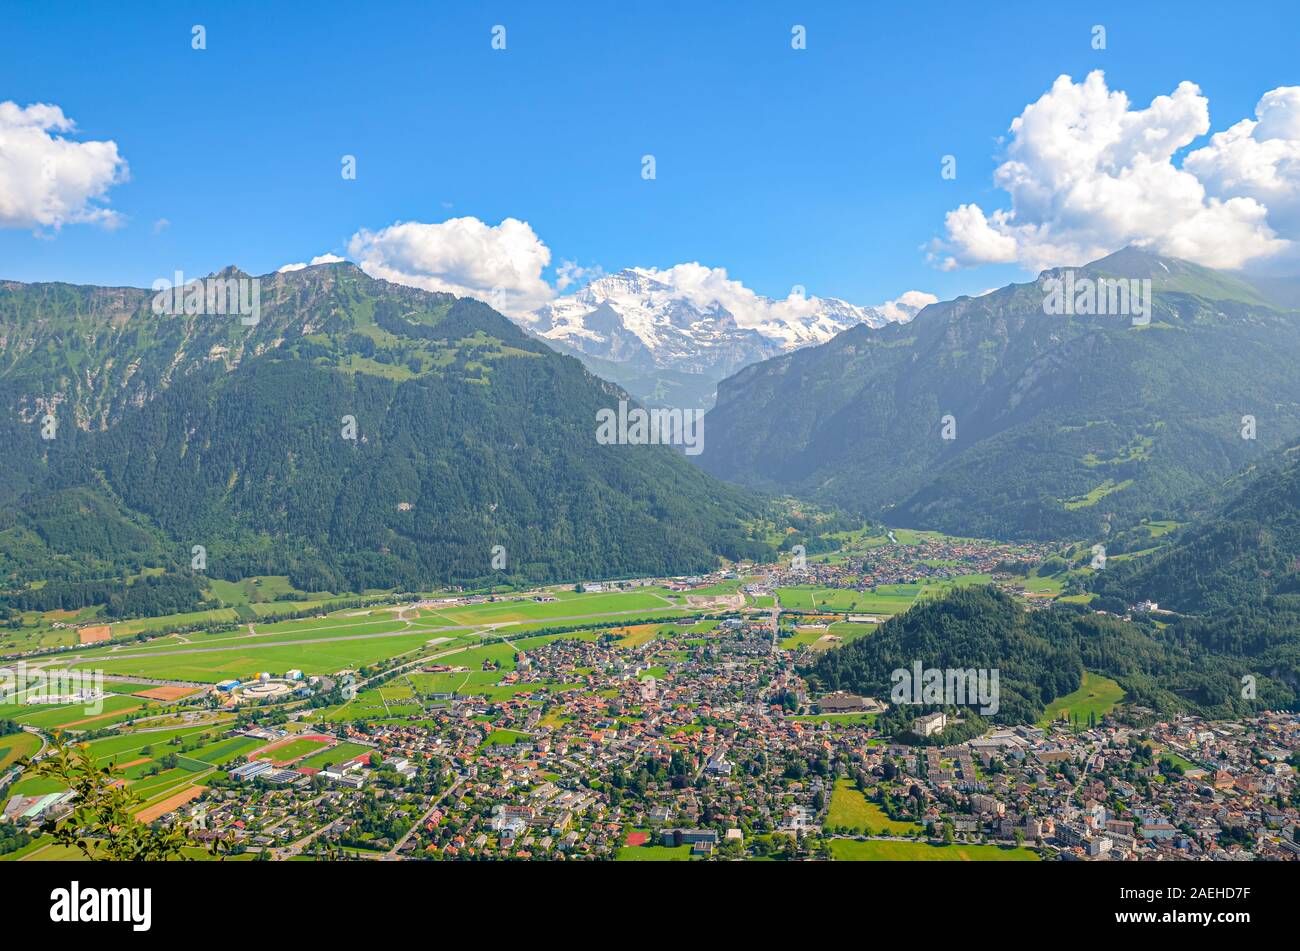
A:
(101, 825)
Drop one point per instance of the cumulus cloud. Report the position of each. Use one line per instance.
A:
(1087, 174)
(500, 264)
(1258, 159)
(504, 264)
(318, 259)
(48, 180)
(907, 305)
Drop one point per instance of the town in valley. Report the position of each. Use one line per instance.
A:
(656, 719)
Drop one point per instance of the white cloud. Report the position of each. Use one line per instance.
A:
(318, 259)
(501, 264)
(1087, 174)
(504, 264)
(907, 305)
(570, 272)
(1259, 159)
(48, 180)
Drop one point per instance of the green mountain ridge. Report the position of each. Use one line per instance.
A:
(1241, 555)
(1040, 655)
(176, 431)
(1064, 425)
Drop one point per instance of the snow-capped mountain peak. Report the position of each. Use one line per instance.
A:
(695, 319)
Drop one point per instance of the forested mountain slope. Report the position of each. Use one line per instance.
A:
(1062, 424)
(176, 431)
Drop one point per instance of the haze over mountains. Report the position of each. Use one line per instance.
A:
(1062, 424)
(668, 336)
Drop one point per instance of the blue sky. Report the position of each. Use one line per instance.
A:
(818, 167)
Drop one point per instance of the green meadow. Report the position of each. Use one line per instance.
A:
(886, 599)
(654, 853)
(851, 809)
(1096, 694)
(210, 665)
(885, 850)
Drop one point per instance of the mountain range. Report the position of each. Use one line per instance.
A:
(360, 434)
(669, 340)
(988, 416)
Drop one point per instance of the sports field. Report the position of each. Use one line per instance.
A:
(335, 755)
(283, 753)
(138, 759)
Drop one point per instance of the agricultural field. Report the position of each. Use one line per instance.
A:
(1096, 694)
(405, 695)
(138, 758)
(366, 705)
(885, 850)
(820, 638)
(641, 634)
(34, 635)
(850, 631)
(77, 716)
(264, 588)
(803, 637)
(15, 746)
